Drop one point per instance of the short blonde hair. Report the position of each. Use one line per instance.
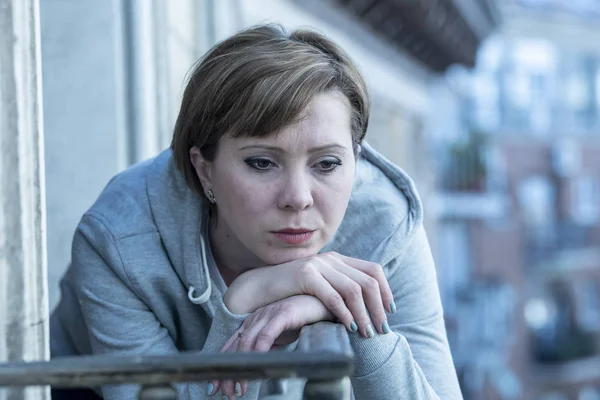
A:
(257, 82)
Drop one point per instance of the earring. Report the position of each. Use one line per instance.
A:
(211, 196)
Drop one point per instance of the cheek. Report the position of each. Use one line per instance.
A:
(241, 196)
(333, 199)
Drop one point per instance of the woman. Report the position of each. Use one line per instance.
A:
(268, 213)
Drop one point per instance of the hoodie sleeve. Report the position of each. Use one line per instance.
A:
(414, 360)
(118, 321)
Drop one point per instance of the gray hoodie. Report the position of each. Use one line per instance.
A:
(143, 281)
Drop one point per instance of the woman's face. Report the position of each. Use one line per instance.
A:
(282, 197)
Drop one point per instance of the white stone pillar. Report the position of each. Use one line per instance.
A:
(23, 280)
(143, 43)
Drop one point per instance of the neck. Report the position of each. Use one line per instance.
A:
(231, 256)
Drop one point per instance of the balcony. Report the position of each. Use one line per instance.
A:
(561, 246)
(437, 34)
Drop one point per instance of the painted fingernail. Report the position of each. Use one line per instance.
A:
(370, 332)
(225, 398)
(353, 327)
(385, 327)
(393, 307)
(238, 389)
(210, 389)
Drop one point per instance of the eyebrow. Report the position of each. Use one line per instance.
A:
(281, 150)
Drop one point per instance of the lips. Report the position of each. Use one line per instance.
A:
(292, 231)
(294, 236)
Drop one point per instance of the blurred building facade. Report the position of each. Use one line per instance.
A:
(519, 205)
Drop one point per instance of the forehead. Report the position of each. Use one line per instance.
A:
(325, 121)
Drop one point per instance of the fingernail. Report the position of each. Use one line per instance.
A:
(238, 389)
(370, 332)
(385, 327)
(210, 389)
(225, 398)
(353, 327)
(393, 307)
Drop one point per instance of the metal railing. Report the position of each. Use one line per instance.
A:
(548, 242)
(323, 356)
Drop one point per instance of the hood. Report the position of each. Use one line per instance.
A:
(178, 213)
(383, 210)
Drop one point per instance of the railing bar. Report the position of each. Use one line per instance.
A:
(161, 379)
(184, 367)
(179, 360)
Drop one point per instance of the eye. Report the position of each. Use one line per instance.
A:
(328, 165)
(260, 164)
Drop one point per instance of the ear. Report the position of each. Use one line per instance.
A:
(202, 166)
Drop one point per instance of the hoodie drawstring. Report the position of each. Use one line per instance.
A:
(203, 298)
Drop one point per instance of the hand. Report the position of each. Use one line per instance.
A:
(271, 326)
(346, 286)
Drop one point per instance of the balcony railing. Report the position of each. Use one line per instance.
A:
(323, 356)
(547, 243)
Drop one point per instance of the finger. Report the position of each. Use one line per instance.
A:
(248, 340)
(231, 340)
(352, 293)
(319, 287)
(370, 294)
(228, 388)
(271, 331)
(238, 389)
(216, 386)
(245, 344)
(375, 271)
(230, 346)
(212, 388)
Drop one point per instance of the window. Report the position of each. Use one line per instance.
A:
(518, 85)
(454, 260)
(540, 115)
(577, 96)
(587, 297)
(585, 198)
(485, 93)
(537, 200)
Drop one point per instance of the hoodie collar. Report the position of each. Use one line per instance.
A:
(382, 213)
(178, 212)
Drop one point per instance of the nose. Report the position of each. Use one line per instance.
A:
(296, 191)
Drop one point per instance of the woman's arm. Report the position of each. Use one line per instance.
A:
(414, 362)
(354, 290)
(118, 321)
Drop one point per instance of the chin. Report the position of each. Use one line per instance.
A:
(283, 255)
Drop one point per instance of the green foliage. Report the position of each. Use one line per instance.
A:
(467, 164)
